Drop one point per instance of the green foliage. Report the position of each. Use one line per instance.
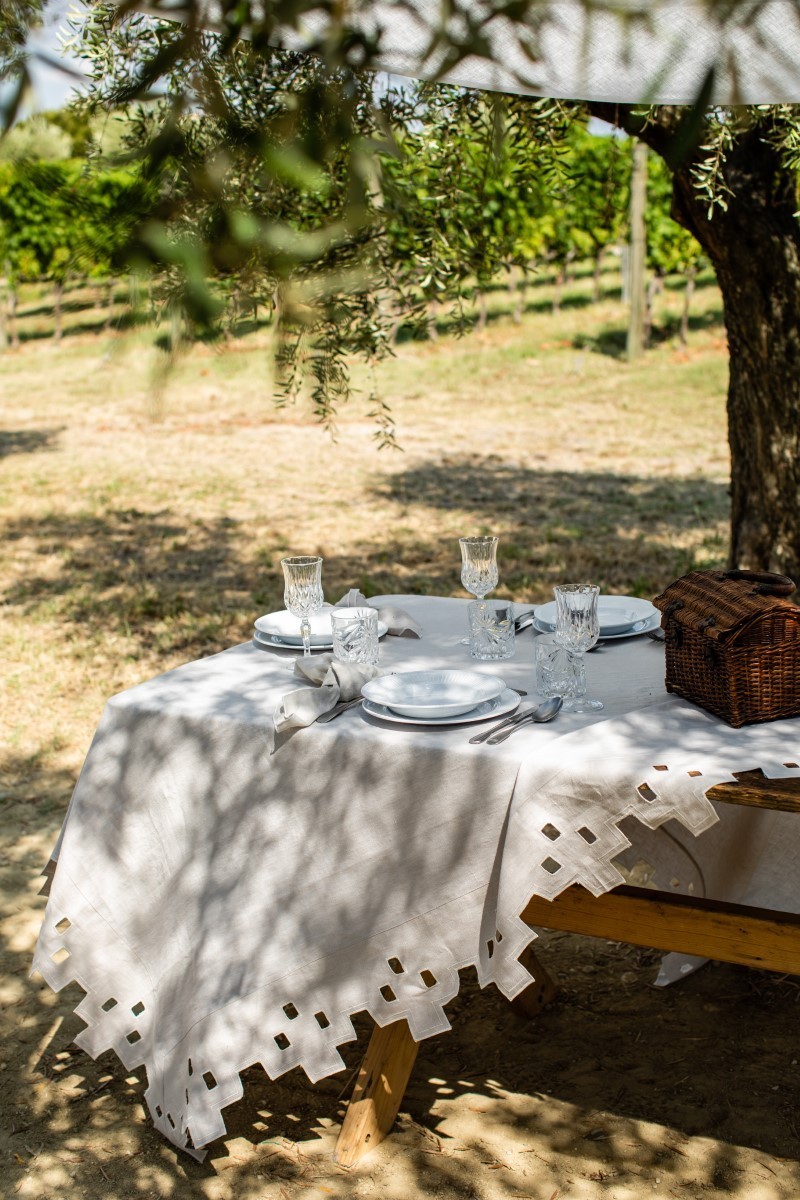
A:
(292, 182)
(305, 188)
(57, 218)
(77, 127)
(671, 249)
(35, 138)
(597, 198)
(467, 194)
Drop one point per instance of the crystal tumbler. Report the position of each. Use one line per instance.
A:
(355, 635)
(491, 629)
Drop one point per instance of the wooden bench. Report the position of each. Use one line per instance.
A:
(767, 939)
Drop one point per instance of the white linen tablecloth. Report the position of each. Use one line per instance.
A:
(226, 896)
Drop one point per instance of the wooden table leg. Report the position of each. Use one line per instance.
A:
(538, 994)
(378, 1092)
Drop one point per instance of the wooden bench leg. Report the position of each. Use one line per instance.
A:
(539, 994)
(378, 1092)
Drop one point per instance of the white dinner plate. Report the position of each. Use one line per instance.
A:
(618, 615)
(645, 627)
(433, 693)
(282, 629)
(505, 703)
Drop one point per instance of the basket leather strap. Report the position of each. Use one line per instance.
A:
(766, 583)
(672, 629)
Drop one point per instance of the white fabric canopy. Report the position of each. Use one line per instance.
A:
(617, 51)
(659, 51)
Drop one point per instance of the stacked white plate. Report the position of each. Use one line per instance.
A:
(438, 697)
(620, 617)
(282, 629)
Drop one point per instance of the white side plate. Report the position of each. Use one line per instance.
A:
(282, 629)
(618, 614)
(643, 627)
(266, 642)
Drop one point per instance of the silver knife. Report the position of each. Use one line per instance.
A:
(512, 720)
(341, 707)
(539, 716)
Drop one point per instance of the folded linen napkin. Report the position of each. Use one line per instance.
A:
(335, 681)
(400, 623)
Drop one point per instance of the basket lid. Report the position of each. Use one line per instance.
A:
(724, 604)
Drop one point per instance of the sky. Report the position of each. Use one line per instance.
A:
(52, 87)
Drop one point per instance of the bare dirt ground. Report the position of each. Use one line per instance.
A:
(142, 527)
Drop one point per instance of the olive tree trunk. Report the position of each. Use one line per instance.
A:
(755, 249)
(754, 246)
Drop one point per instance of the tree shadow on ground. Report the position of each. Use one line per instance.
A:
(127, 570)
(89, 322)
(27, 441)
(612, 340)
(447, 324)
(624, 531)
(166, 583)
(610, 1084)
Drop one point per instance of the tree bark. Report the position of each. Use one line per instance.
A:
(522, 296)
(755, 249)
(754, 246)
(651, 291)
(638, 327)
(514, 284)
(558, 287)
(109, 305)
(433, 315)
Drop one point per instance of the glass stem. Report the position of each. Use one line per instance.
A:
(305, 631)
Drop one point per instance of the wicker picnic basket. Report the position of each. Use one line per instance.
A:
(733, 644)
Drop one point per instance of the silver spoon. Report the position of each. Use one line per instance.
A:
(514, 719)
(545, 712)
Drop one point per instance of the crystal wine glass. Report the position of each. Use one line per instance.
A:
(577, 629)
(478, 567)
(479, 564)
(303, 592)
